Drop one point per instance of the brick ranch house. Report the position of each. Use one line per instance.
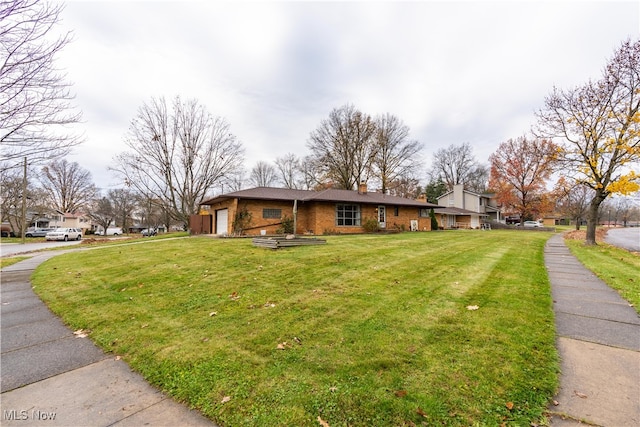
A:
(317, 212)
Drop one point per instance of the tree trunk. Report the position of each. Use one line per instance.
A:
(592, 217)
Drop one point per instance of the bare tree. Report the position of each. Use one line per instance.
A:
(289, 169)
(343, 146)
(396, 155)
(598, 124)
(456, 164)
(35, 107)
(12, 185)
(124, 204)
(311, 176)
(68, 185)
(263, 174)
(234, 181)
(572, 200)
(102, 213)
(149, 212)
(404, 186)
(616, 211)
(178, 156)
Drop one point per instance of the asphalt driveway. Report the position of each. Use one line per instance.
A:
(627, 238)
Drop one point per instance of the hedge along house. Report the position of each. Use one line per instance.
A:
(261, 210)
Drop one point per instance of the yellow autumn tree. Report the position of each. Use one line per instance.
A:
(597, 127)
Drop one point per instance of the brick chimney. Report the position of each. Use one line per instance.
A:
(362, 188)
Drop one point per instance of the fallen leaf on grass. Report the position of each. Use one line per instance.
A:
(213, 313)
(234, 296)
(333, 389)
(421, 412)
(472, 307)
(322, 422)
(225, 399)
(509, 405)
(80, 333)
(283, 345)
(556, 403)
(580, 395)
(401, 393)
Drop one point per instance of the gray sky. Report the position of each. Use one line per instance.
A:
(453, 71)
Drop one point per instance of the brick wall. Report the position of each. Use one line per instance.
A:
(315, 217)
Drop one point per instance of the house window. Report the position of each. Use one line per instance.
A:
(272, 213)
(348, 215)
(423, 213)
(396, 211)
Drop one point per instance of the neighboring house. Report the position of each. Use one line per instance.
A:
(315, 212)
(71, 220)
(466, 209)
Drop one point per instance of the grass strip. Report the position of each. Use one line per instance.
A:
(364, 331)
(7, 261)
(618, 268)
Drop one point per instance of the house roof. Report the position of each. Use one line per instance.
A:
(329, 195)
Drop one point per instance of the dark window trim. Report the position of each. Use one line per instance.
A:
(349, 218)
(271, 213)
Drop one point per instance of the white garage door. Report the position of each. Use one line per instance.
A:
(222, 217)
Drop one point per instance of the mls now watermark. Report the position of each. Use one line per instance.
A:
(27, 414)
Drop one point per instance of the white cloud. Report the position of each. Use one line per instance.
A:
(454, 72)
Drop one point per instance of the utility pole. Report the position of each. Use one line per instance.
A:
(24, 200)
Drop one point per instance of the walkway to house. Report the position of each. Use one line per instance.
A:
(599, 346)
(52, 377)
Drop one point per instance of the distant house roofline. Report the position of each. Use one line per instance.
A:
(328, 195)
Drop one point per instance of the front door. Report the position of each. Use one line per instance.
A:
(222, 219)
(382, 217)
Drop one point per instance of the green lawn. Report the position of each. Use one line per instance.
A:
(6, 262)
(363, 331)
(619, 268)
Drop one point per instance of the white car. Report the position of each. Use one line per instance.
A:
(64, 234)
(534, 224)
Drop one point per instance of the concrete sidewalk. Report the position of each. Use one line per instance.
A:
(599, 346)
(52, 377)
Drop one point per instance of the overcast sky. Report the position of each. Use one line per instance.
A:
(453, 71)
